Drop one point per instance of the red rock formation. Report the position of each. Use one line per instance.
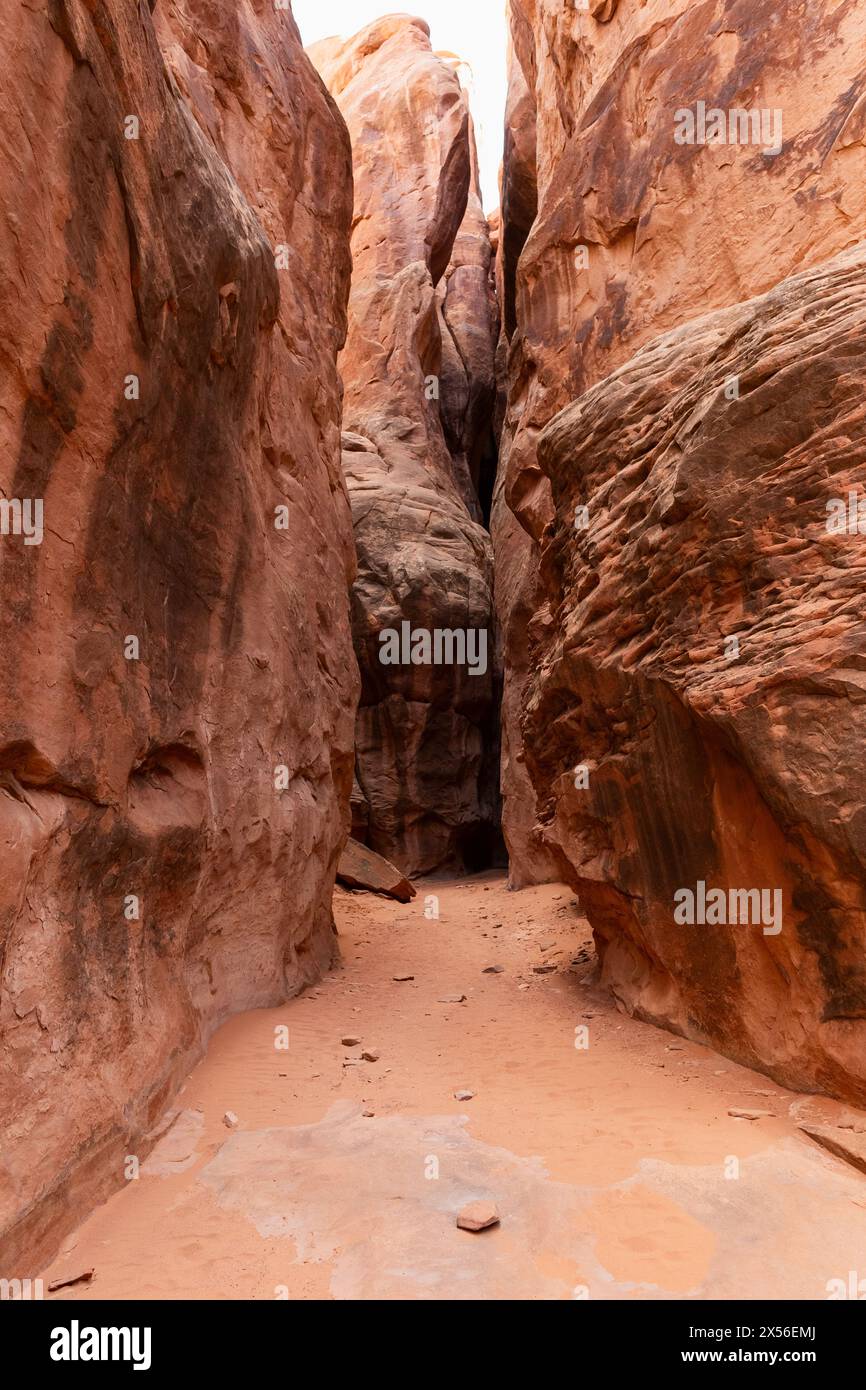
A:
(179, 689)
(707, 669)
(424, 732)
(705, 511)
(516, 584)
(469, 326)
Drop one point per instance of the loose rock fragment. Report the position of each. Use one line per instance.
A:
(847, 1145)
(478, 1216)
(84, 1277)
(360, 867)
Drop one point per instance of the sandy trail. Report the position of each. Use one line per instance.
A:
(617, 1170)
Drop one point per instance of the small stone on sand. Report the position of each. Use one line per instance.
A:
(478, 1216)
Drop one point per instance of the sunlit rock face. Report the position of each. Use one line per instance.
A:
(682, 378)
(418, 371)
(178, 688)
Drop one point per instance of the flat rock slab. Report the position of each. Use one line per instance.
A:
(177, 1149)
(360, 867)
(846, 1144)
(352, 1190)
(478, 1216)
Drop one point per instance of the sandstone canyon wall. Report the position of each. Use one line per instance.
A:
(517, 596)
(685, 379)
(418, 372)
(179, 688)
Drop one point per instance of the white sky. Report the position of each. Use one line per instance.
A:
(473, 29)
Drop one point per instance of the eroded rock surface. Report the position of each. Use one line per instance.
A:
(716, 711)
(469, 325)
(178, 685)
(415, 443)
(704, 521)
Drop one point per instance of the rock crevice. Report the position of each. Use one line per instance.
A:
(418, 371)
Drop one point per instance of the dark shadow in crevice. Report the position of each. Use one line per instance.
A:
(482, 847)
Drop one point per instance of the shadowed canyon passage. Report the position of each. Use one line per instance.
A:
(524, 551)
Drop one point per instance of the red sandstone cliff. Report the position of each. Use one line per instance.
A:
(179, 688)
(414, 444)
(704, 459)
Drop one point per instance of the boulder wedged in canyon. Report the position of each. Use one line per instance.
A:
(178, 688)
(425, 734)
(621, 251)
(699, 712)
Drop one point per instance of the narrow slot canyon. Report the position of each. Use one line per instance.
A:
(433, 695)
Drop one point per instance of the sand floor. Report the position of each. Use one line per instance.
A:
(616, 1168)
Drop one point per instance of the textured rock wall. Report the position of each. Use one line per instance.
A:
(705, 458)
(469, 328)
(517, 597)
(708, 668)
(178, 692)
(414, 444)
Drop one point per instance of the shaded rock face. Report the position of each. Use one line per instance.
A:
(418, 371)
(719, 712)
(469, 328)
(517, 595)
(179, 688)
(684, 366)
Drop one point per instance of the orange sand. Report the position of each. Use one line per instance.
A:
(608, 1164)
